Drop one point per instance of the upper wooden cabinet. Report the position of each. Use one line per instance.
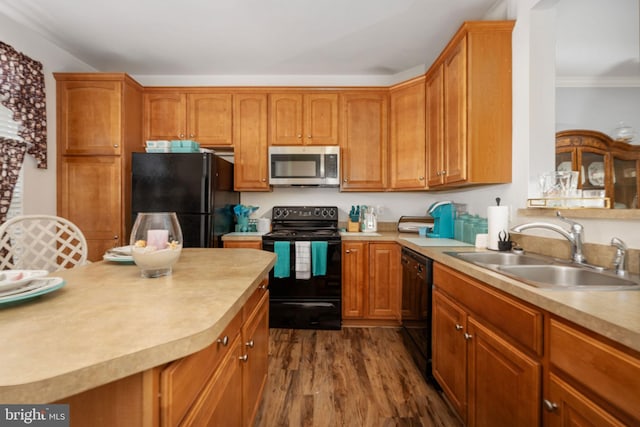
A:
(468, 118)
(99, 118)
(363, 126)
(303, 119)
(89, 115)
(204, 117)
(251, 172)
(602, 164)
(407, 154)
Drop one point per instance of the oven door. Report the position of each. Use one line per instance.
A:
(314, 303)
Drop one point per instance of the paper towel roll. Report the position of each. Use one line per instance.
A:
(497, 221)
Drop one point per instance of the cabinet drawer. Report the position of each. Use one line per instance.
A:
(606, 371)
(254, 299)
(520, 322)
(182, 380)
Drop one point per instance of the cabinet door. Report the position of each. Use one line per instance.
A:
(220, 403)
(250, 142)
(455, 114)
(434, 100)
(354, 279)
(363, 122)
(450, 351)
(384, 281)
(626, 182)
(89, 117)
(321, 119)
(408, 142)
(285, 119)
(503, 383)
(573, 408)
(89, 194)
(165, 116)
(209, 118)
(255, 342)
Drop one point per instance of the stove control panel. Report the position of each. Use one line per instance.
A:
(329, 213)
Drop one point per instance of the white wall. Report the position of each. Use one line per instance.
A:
(40, 184)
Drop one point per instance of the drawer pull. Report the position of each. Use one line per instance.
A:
(549, 406)
(244, 357)
(467, 336)
(263, 287)
(224, 341)
(250, 343)
(458, 327)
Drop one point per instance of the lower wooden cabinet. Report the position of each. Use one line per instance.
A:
(371, 281)
(488, 379)
(250, 244)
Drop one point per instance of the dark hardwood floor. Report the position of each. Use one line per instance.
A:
(353, 377)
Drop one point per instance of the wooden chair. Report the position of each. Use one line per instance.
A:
(41, 242)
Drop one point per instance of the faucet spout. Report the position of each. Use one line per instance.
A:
(574, 235)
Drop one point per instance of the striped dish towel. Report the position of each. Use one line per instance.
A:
(303, 260)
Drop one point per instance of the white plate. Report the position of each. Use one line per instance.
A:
(36, 288)
(120, 254)
(596, 174)
(15, 278)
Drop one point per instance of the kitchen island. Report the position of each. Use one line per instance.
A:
(108, 323)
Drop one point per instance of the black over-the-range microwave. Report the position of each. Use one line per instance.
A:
(313, 166)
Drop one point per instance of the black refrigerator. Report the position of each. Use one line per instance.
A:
(198, 187)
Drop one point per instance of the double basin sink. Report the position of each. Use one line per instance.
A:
(550, 273)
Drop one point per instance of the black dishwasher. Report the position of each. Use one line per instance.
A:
(417, 280)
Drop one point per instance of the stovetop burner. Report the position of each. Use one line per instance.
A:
(304, 223)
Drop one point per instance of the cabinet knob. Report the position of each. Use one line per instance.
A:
(344, 180)
(444, 172)
(264, 179)
(115, 145)
(421, 178)
(467, 336)
(549, 406)
(309, 136)
(458, 327)
(299, 136)
(249, 343)
(192, 135)
(116, 237)
(347, 251)
(438, 173)
(181, 135)
(244, 357)
(263, 287)
(224, 340)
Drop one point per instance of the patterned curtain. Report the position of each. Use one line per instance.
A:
(22, 92)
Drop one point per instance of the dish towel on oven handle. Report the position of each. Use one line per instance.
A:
(319, 258)
(303, 260)
(283, 263)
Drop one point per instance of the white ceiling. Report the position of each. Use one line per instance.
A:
(249, 37)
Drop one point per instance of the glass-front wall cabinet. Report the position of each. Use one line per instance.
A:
(606, 168)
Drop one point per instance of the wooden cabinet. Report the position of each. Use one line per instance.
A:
(250, 142)
(490, 376)
(371, 281)
(303, 119)
(99, 118)
(407, 154)
(590, 378)
(471, 119)
(602, 165)
(251, 244)
(363, 124)
(204, 117)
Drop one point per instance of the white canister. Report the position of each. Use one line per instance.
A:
(264, 225)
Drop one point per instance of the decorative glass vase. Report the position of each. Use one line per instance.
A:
(156, 242)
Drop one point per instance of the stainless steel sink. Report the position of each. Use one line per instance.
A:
(567, 277)
(502, 258)
(549, 273)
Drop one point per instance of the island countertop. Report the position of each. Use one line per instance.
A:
(107, 322)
